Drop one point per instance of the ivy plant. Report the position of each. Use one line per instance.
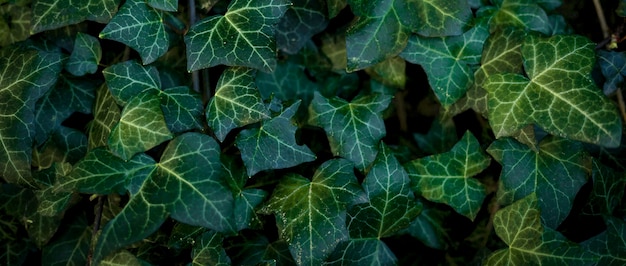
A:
(310, 132)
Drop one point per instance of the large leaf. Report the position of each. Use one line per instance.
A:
(19, 90)
(448, 61)
(446, 177)
(311, 215)
(526, 14)
(609, 245)
(353, 128)
(106, 114)
(140, 27)
(17, 28)
(129, 78)
(52, 14)
(236, 102)
(244, 36)
(302, 20)
(273, 145)
(186, 184)
(554, 173)
(86, 55)
(519, 226)
(558, 94)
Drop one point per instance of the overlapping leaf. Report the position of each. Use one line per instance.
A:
(182, 109)
(140, 27)
(362, 252)
(353, 128)
(72, 246)
(86, 55)
(613, 66)
(449, 61)
(609, 245)
(129, 78)
(288, 82)
(527, 14)
(440, 138)
(608, 189)
(443, 17)
(106, 114)
(166, 5)
(19, 90)
(64, 145)
(14, 23)
(446, 178)
(273, 145)
(53, 14)
(555, 173)
(519, 226)
(430, 227)
(390, 72)
(558, 94)
(311, 215)
(236, 102)
(244, 36)
(246, 199)
(209, 250)
(302, 20)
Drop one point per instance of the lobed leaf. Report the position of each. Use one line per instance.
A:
(106, 115)
(54, 14)
(609, 245)
(129, 78)
(17, 28)
(302, 20)
(613, 66)
(209, 250)
(86, 55)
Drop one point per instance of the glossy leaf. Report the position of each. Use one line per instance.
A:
(15, 23)
(302, 20)
(236, 102)
(244, 36)
(526, 14)
(353, 128)
(608, 189)
(106, 115)
(86, 55)
(209, 250)
(140, 27)
(129, 78)
(447, 177)
(558, 94)
(613, 66)
(555, 174)
(609, 245)
(53, 14)
(273, 145)
(519, 226)
(182, 109)
(362, 252)
(311, 215)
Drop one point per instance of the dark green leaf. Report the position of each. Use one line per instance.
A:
(390, 72)
(129, 78)
(14, 252)
(288, 82)
(246, 199)
(526, 14)
(14, 23)
(53, 14)
(362, 252)
(64, 145)
(244, 36)
(182, 109)
(429, 228)
(608, 189)
(72, 247)
(122, 257)
(302, 20)
(106, 115)
(609, 245)
(209, 251)
(440, 138)
(166, 5)
(613, 66)
(335, 6)
(86, 55)
(443, 17)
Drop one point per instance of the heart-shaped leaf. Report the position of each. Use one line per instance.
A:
(129, 78)
(613, 66)
(86, 55)
(53, 14)
(609, 245)
(526, 14)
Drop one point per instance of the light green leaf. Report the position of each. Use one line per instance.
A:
(391, 205)
(209, 251)
(362, 252)
(236, 102)
(526, 14)
(106, 115)
(129, 78)
(54, 14)
(390, 72)
(19, 91)
(86, 55)
(273, 145)
(608, 190)
(182, 109)
(311, 215)
(519, 226)
(14, 23)
(449, 61)
(439, 18)
(123, 257)
(244, 36)
(166, 5)
(302, 20)
(555, 173)
(71, 247)
(353, 129)
(558, 95)
(140, 27)
(446, 178)
(141, 127)
(609, 245)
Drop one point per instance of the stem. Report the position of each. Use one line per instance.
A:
(96, 225)
(195, 76)
(620, 102)
(603, 25)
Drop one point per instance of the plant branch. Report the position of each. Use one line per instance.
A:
(96, 225)
(621, 104)
(195, 75)
(603, 25)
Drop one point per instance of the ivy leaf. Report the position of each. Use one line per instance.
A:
(613, 66)
(17, 28)
(311, 215)
(209, 250)
(72, 246)
(273, 145)
(165, 5)
(53, 14)
(302, 20)
(141, 127)
(129, 78)
(609, 245)
(353, 129)
(20, 90)
(236, 102)
(443, 18)
(440, 138)
(64, 145)
(86, 55)
(189, 174)
(446, 178)
(140, 27)
(525, 14)
(390, 72)
(429, 227)
(448, 61)
(362, 252)
(391, 205)
(555, 173)
(287, 82)
(244, 36)
(246, 199)
(558, 69)
(519, 226)
(182, 109)
(335, 6)
(608, 189)
(106, 114)
(121, 257)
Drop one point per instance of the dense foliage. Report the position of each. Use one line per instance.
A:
(309, 132)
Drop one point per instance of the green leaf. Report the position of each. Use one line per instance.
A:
(54, 14)
(14, 252)
(86, 55)
(608, 189)
(311, 215)
(141, 127)
(519, 226)
(106, 115)
(244, 36)
(209, 250)
(129, 78)
(335, 6)
(64, 145)
(613, 66)
(273, 145)
(430, 228)
(390, 72)
(443, 17)
(140, 27)
(14, 23)
(446, 177)
(440, 138)
(558, 94)
(20, 90)
(391, 205)
(186, 184)
(71, 247)
(246, 199)
(122, 257)
(353, 129)
(165, 5)
(362, 252)
(288, 82)
(182, 109)
(302, 20)
(236, 102)
(609, 245)
(448, 61)
(555, 173)
(526, 14)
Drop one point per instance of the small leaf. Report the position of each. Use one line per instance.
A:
(526, 14)
(246, 199)
(429, 228)
(122, 257)
(608, 189)
(302, 20)
(555, 174)
(86, 55)
(54, 14)
(140, 27)
(106, 114)
(17, 28)
(182, 109)
(609, 245)
(273, 145)
(440, 138)
(71, 247)
(613, 66)
(353, 129)
(236, 102)
(446, 178)
(129, 78)
(209, 250)
(362, 252)
(288, 82)
(165, 5)
(390, 72)
(244, 36)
